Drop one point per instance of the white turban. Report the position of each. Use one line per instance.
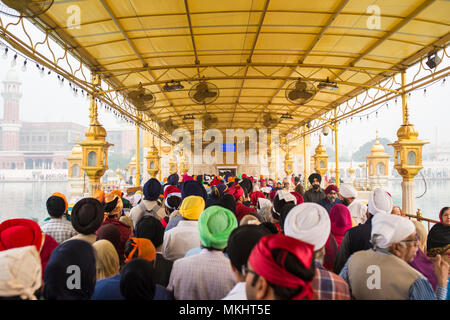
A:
(265, 205)
(308, 222)
(380, 202)
(20, 272)
(348, 191)
(286, 196)
(390, 228)
(266, 189)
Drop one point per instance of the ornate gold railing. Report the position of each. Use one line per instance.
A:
(418, 216)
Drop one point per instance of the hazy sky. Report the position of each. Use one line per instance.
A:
(44, 100)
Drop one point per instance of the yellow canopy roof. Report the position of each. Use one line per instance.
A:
(252, 50)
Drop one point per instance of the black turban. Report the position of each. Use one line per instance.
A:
(150, 228)
(87, 215)
(227, 201)
(56, 206)
(247, 185)
(241, 242)
(137, 280)
(314, 176)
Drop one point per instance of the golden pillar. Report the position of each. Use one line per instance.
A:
(408, 155)
(138, 162)
(288, 163)
(305, 179)
(95, 147)
(320, 159)
(336, 153)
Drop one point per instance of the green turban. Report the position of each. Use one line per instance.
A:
(215, 225)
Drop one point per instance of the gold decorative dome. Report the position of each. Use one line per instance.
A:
(96, 131)
(377, 148)
(407, 131)
(320, 148)
(118, 171)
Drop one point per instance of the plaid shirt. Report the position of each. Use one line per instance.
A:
(329, 286)
(204, 276)
(58, 229)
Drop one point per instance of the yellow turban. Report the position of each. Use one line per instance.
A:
(192, 207)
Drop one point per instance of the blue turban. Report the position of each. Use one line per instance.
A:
(193, 188)
(152, 189)
(173, 179)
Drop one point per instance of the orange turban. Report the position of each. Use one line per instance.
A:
(100, 195)
(145, 249)
(117, 192)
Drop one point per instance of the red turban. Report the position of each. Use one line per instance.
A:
(16, 233)
(187, 177)
(254, 197)
(330, 188)
(236, 190)
(298, 196)
(215, 182)
(171, 189)
(263, 263)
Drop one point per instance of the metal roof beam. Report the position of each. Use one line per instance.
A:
(249, 59)
(341, 6)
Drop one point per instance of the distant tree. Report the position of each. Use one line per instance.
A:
(364, 150)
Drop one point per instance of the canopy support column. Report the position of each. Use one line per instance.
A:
(336, 147)
(138, 162)
(305, 161)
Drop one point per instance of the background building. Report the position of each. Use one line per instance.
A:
(32, 145)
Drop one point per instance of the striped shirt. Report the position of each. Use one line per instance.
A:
(329, 286)
(420, 290)
(59, 229)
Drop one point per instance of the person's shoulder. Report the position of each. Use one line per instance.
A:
(333, 276)
(437, 227)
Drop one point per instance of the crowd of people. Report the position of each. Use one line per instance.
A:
(225, 238)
